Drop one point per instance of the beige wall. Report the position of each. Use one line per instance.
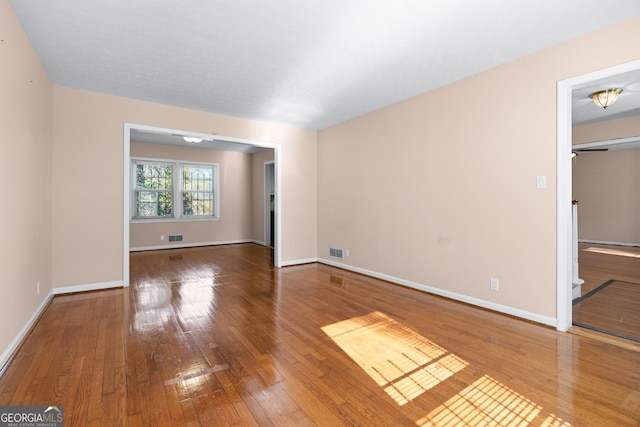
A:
(88, 171)
(26, 126)
(236, 209)
(603, 131)
(258, 161)
(607, 183)
(440, 190)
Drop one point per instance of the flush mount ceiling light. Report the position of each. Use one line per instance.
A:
(192, 139)
(605, 98)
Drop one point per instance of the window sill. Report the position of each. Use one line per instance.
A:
(182, 219)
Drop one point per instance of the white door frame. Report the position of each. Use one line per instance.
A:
(128, 183)
(564, 245)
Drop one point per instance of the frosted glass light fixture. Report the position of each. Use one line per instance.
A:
(192, 139)
(605, 98)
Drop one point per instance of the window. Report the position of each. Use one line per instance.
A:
(153, 192)
(197, 190)
(193, 187)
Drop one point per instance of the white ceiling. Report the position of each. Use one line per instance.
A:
(628, 104)
(311, 64)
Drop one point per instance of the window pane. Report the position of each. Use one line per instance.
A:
(197, 203)
(153, 204)
(153, 176)
(197, 178)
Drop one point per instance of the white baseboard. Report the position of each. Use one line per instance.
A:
(13, 346)
(576, 291)
(88, 287)
(298, 262)
(545, 320)
(190, 245)
(602, 242)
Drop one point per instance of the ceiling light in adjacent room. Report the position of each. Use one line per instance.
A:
(192, 139)
(605, 98)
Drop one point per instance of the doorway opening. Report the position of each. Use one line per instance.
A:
(564, 233)
(269, 204)
(605, 183)
(211, 141)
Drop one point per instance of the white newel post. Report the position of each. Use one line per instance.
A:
(577, 281)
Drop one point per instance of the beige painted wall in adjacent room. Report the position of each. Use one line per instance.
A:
(606, 183)
(602, 131)
(259, 159)
(26, 127)
(440, 190)
(235, 220)
(88, 179)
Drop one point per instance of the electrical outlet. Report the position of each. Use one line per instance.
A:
(494, 284)
(346, 253)
(162, 237)
(37, 288)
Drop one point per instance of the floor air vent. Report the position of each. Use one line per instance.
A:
(336, 253)
(176, 238)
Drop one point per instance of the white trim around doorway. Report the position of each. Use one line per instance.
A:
(564, 246)
(127, 184)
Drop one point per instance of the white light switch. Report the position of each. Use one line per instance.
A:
(541, 182)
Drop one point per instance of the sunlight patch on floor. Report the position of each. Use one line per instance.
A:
(487, 402)
(414, 384)
(398, 359)
(607, 251)
(406, 365)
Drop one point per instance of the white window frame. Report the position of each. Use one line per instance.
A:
(214, 191)
(135, 189)
(177, 192)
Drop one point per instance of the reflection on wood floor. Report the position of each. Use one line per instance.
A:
(216, 336)
(615, 307)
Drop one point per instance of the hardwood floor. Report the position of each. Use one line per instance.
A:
(616, 307)
(217, 336)
(600, 263)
